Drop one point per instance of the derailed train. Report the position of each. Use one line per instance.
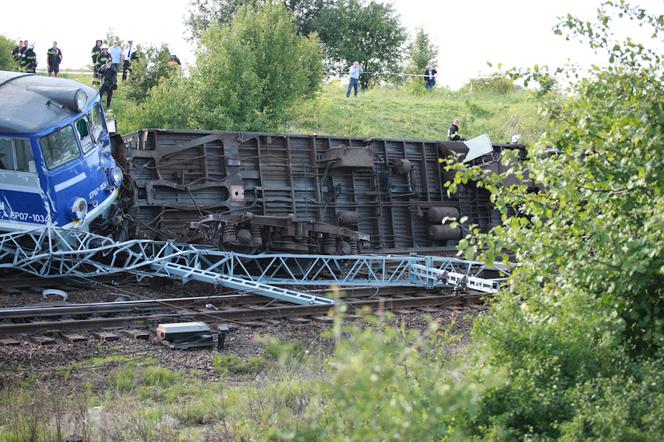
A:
(59, 165)
(301, 193)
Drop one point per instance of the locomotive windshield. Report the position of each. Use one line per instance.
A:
(60, 147)
(16, 155)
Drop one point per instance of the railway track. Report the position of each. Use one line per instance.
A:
(59, 320)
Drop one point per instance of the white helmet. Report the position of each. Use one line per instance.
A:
(31, 46)
(104, 46)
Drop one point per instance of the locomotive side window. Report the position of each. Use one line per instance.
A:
(16, 155)
(83, 129)
(97, 122)
(60, 147)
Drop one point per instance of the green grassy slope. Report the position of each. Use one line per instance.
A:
(400, 113)
(396, 113)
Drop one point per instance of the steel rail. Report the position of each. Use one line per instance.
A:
(230, 315)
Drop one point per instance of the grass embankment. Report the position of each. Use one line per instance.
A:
(407, 112)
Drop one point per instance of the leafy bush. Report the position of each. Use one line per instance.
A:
(579, 329)
(165, 106)
(7, 62)
(146, 73)
(386, 383)
(249, 75)
(496, 84)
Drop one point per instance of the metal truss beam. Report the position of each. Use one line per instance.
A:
(53, 253)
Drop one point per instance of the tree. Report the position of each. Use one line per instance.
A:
(204, 13)
(248, 76)
(422, 52)
(7, 62)
(111, 36)
(370, 33)
(578, 332)
(151, 66)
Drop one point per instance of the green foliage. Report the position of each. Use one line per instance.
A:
(285, 352)
(231, 364)
(151, 67)
(7, 62)
(496, 84)
(159, 377)
(202, 14)
(111, 37)
(387, 383)
(364, 31)
(133, 376)
(250, 74)
(579, 329)
(422, 52)
(166, 105)
(350, 30)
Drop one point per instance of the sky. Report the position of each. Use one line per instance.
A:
(469, 33)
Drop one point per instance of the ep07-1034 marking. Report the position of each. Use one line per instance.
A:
(96, 190)
(24, 216)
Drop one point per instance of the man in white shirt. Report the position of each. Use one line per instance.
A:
(129, 56)
(354, 81)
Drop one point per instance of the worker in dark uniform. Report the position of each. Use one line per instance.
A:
(21, 52)
(29, 59)
(430, 78)
(109, 83)
(96, 50)
(24, 46)
(53, 59)
(102, 58)
(453, 131)
(16, 52)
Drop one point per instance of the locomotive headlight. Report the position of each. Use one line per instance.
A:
(116, 176)
(79, 209)
(81, 100)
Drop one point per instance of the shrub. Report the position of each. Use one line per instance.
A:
(579, 326)
(250, 74)
(7, 62)
(496, 84)
(147, 72)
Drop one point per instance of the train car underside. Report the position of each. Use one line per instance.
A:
(294, 193)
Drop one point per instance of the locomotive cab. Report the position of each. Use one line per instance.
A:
(56, 166)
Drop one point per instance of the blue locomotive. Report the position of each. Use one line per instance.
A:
(56, 166)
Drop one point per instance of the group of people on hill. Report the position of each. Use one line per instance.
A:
(106, 64)
(26, 59)
(429, 76)
(357, 69)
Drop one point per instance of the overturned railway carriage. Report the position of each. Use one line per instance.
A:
(298, 193)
